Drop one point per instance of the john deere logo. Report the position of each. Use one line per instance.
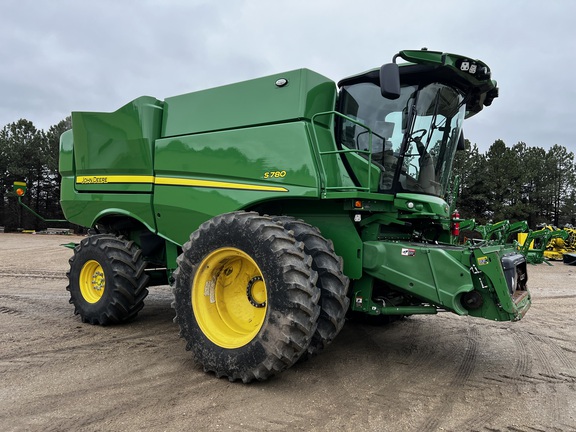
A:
(93, 180)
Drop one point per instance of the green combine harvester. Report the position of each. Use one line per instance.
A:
(275, 206)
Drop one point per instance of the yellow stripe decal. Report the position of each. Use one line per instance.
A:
(169, 181)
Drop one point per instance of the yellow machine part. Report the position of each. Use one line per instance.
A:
(522, 238)
(554, 255)
(557, 247)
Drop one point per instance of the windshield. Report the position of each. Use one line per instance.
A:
(413, 138)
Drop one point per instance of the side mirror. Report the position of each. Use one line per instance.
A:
(390, 81)
(20, 188)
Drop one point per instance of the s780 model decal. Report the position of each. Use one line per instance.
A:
(275, 174)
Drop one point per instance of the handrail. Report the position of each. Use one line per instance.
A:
(37, 215)
(323, 176)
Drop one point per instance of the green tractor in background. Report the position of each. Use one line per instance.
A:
(275, 206)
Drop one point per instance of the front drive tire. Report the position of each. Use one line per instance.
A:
(333, 284)
(107, 283)
(245, 297)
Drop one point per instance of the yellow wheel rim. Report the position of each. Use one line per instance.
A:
(92, 281)
(229, 298)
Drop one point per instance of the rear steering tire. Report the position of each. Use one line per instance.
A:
(245, 297)
(107, 283)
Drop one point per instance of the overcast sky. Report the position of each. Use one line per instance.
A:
(60, 56)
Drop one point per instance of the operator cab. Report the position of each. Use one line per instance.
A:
(413, 137)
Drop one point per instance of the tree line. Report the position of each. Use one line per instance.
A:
(517, 183)
(513, 183)
(30, 155)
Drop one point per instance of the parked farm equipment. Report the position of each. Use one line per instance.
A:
(275, 205)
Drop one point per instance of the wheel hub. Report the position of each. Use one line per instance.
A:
(251, 295)
(98, 281)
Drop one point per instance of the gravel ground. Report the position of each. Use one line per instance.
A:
(420, 374)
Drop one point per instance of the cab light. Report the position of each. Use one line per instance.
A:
(358, 204)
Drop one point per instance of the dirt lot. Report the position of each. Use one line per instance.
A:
(424, 373)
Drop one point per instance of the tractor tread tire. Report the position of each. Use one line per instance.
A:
(292, 298)
(332, 282)
(126, 280)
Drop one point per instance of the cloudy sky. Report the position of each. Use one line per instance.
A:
(60, 56)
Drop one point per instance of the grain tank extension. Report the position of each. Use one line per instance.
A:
(275, 206)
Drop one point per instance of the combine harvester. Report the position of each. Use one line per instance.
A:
(276, 205)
